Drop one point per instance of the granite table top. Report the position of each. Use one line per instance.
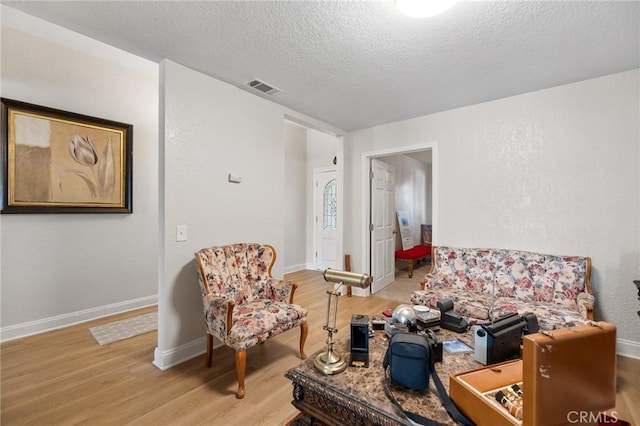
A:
(363, 389)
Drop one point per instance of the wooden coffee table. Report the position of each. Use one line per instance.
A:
(357, 395)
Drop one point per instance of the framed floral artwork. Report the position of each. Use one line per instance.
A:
(61, 162)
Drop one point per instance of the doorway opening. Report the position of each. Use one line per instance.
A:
(381, 240)
(308, 151)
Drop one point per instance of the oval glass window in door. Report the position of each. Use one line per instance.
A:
(329, 206)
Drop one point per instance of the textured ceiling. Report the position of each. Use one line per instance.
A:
(359, 64)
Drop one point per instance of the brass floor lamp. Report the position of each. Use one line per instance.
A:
(329, 362)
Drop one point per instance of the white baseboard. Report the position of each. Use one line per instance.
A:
(294, 268)
(628, 348)
(167, 359)
(59, 321)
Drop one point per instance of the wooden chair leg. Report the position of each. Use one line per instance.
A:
(209, 355)
(410, 268)
(304, 330)
(241, 368)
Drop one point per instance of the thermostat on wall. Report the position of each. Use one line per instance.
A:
(234, 178)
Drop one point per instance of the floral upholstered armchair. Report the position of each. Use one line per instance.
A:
(243, 304)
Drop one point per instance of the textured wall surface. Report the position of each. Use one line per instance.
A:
(59, 269)
(554, 171)
(295, 197)
(212, 129)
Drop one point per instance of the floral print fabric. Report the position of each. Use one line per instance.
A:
(256, 321)
(550, 316)
(464, 269)
(238, 277)
(551, 286)
(539, 277)
(467, 303)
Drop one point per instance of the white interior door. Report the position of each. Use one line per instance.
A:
(382, 224)
(326, 214)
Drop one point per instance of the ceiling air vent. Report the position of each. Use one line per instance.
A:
(263, 87)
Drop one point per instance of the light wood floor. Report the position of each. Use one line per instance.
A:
(64, 377)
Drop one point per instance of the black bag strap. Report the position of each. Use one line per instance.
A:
(446, 401)
(413, 417)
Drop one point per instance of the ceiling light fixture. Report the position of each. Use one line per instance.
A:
(424, 8)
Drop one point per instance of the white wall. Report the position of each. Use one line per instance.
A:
(554, 171)
(306, 150)
(60, 269)
(295, 194)
(212, 129)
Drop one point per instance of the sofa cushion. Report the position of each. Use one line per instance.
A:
(466, 303)
(540, 277)
(570, 282)
(519, 274)
(465, 269)
(516, 272)
(550, 315)
(255, 322)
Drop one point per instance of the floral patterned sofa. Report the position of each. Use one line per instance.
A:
(487, 283)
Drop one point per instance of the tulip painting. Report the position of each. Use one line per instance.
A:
(101, 179)
(65, 163)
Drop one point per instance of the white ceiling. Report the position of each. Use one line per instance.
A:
(361, 63)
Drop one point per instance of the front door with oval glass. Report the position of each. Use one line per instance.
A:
(326, 214)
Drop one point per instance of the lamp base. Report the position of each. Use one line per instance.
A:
(329, 363)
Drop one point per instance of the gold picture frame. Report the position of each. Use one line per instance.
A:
(55, 161)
